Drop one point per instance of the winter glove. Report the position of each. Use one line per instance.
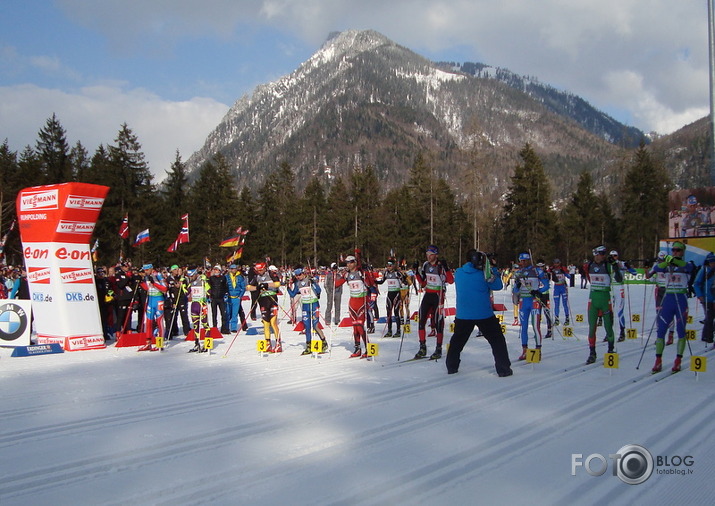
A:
(668, 259)
(263, 286)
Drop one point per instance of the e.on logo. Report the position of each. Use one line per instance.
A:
(47, 199)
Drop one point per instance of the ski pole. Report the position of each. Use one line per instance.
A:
(240, 328)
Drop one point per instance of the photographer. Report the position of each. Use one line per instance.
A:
(474, 281)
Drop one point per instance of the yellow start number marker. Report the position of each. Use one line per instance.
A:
(209, 343)
(635, 318)
(406, 328)
(690, 335)
(262, 345)
(533, 355)
(372, 349)
(632, 333)
(451, 327)
(159, 342)
(610, 361)
(698, 364)
(579, 318)
(316, 346)
(568, 331)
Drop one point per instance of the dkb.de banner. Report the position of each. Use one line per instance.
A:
(56, 223)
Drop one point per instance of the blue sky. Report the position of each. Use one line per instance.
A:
(171, 69)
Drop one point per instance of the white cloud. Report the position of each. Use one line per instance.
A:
(93, 116)
(571, 44)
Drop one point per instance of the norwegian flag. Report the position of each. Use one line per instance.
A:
(124, 228)
(183, 235)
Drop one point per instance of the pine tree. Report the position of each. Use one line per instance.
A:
(583, 221)
(528, 220)
(645, 206)
(312, 223)
(80, 161)
(212, 200)
(53, 152)
(365, 200)
(339, 235)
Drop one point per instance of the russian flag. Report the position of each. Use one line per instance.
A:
(142, 237)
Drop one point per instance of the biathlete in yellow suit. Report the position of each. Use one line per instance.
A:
(267, 283)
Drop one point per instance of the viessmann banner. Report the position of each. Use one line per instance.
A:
(56, 223)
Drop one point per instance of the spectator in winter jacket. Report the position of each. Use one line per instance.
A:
(218, 290)
(705, 292)
(475, 281)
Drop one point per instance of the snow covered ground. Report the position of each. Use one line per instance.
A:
(120, 427)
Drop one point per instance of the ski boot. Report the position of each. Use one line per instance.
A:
(591, 357)
(556, 320)
(516, 322)
(437, 353)
(397, 334)
(306, 351)
(622, 336)
(388, 334)
(370, 329)
(567, 322)
(523, 353)
(658, 365)
(549, 335)
(676, 364)
(422, 353)
(325, 346)
(357, 352)
(278, 348)
(670, 338)
(196, 348)
(610, 348)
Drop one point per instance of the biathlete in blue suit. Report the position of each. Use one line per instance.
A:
(531, 282)
(675, 302)
(309, 291)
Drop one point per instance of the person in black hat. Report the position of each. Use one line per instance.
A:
(474, 282)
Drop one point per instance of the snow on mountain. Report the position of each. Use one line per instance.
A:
(363, 99)
(118, 427)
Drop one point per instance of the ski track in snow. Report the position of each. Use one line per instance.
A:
(119, 427)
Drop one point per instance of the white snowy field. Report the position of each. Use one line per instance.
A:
(116, 426)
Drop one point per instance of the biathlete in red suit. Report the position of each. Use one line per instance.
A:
(433, 277)
(357, 305)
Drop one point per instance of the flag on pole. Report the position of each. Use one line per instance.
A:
(4, 238)
(236, 256)
(124, 228)
(231, 242)
(183, 235)
(142, 237)
(95, 253)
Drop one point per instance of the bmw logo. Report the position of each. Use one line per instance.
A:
(13, 321)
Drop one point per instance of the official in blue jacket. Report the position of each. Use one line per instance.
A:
(475, 281)
(704, 287)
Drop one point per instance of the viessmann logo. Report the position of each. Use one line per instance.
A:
(38, 275)
(82, 202)
(76, 275)
(48, 199)
(75, 227)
